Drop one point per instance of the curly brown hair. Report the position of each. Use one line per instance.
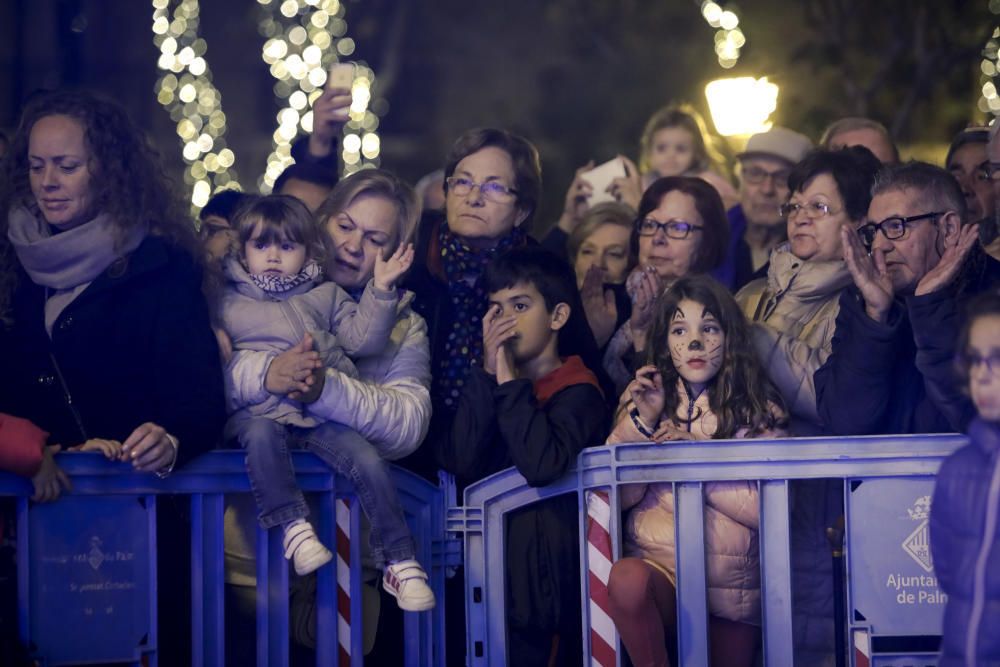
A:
(740, 395)
(128, 183)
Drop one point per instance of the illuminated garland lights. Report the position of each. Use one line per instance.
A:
(729, 39)
(300, 34)
(989, 101)
(194, 103)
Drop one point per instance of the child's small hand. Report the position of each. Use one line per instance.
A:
(497, 330)
(315, 389)
(388, 271)
(647, 394)
(112, 449)
(668, 431)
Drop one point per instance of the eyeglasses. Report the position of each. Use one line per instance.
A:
(892, 228)
(972, 361)
(989, 172)
(674, 229)
(756, 176)
(813, 210)
(492, 190)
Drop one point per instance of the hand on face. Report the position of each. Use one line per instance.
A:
(870, 274)
(644, 286)
(647, 393)
(598, 305)
(957, 248)
(498, 330)
(358, 235)
(388, 270)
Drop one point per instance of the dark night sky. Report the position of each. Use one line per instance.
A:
(577, 77)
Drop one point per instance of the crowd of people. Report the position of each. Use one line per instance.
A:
(823, 290)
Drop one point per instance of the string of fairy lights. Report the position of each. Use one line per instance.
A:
(186, 91)
(303, 39)
(989, 100)
(729, 39)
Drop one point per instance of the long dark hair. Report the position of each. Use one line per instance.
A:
(740, 395)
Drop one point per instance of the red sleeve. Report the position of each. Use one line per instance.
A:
(21, 445)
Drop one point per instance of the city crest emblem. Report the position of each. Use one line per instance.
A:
(918, 544)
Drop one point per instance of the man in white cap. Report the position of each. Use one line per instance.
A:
(755, 225)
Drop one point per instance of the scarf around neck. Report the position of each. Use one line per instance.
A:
(69, 261)
(463, 348)
(275, 284)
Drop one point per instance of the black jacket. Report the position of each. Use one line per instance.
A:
(498, 426)
(134, 346)
(870, 384)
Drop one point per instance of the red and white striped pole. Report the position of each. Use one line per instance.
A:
(344, 582)
(603, 637)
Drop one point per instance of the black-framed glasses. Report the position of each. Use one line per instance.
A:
(971, 361)
(813, 209)
(674, 229)
(492, 190)
(892, 228)
(757, 175)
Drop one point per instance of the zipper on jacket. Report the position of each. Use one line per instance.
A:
(68, 397)
(691, 399)
(979, 575)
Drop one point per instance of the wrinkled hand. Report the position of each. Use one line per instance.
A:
(870, 275)
(627, 189)
(647, 393)
(330, 112)
(50, 480)
(112, 449)
(644, 286)
(575, 205)
(598, 305)
(292, 370)
(388, 270)
(148, 448)
(668, 431)
(951, 261)
(497, 330)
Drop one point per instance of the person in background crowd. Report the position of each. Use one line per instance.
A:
(856, 131)
(703, 382)
(535, 405)
(793, 310)
(755, 225)
(430, 191)
(216, 216)
(110, 335)
(601, 253)
(918, 249)
(968, 163)
(308, 182)
(965, 514)
(989, 230)
(681, 229)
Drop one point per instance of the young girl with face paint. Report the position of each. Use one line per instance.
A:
(703, 382)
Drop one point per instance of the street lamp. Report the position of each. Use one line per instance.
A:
(741, 106)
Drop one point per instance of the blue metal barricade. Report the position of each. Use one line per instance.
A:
(900, 468)
(87, 564)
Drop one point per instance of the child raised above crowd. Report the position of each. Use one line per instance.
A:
(276, 298)
(532, 405)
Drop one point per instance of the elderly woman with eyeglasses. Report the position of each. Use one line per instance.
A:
(681, 229)
(795, 308)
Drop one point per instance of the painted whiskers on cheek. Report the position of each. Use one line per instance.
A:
(715, 352)
(677, 354)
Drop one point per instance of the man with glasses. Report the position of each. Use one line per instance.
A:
(889, 369)
(755, 225)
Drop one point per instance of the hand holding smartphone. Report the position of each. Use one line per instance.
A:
(340, 76)
(601, 177)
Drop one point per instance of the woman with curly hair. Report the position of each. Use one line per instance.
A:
(108, 331)
(703, 382)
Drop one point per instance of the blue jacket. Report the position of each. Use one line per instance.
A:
(965, 546)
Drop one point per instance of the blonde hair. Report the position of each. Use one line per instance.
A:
(375, 183)
(687, 118)
(608, 213)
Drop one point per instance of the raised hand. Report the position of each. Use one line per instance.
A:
(575, 205)
(951, 261)
(628, 188)
(388, 271)
(497, 330)
(644, 286)
(647, 393)
(330, 112)
(598, 305)
(870, 275)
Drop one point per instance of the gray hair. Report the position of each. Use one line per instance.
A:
(933, 187)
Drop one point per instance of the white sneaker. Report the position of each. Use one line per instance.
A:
(407, 582)
(303, 548)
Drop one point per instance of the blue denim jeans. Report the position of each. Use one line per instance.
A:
(279, 499)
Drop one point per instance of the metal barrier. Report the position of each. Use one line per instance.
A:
(87, 564)
(883, 478)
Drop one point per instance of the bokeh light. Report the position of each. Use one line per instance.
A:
(729, 39)
(741, 106)
(989, 102)
(186, 91)
(304, 38)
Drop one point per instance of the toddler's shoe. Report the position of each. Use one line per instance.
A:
(407, 582)
(303, 548)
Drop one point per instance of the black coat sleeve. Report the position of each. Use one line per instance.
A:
(544, 441)
(186, 372)
(936, 321)
(465, 448)
(854, 386)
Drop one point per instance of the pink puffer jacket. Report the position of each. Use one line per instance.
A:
(732, 514)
